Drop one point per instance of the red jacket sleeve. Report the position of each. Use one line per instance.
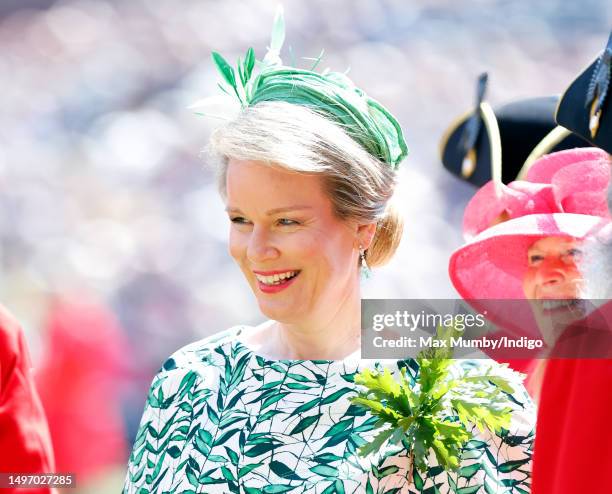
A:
(25, 443)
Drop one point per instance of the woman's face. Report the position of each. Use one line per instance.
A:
(552, 272)
(553, 284)
(300, 260)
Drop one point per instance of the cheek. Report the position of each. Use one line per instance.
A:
(575, 276)
(307, 250)
(574, 273)
(325, 256)
(339, 265)
(236, 245)
(529, 284)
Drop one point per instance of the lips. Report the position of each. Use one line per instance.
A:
(557, 306)
(275, 281)
(275, 277)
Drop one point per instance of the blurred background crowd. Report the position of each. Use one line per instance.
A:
(112, 235)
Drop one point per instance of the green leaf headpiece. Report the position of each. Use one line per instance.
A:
(332, 94)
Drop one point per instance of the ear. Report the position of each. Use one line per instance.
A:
(365, 235)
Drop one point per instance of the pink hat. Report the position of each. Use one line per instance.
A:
(565, 194)
(570, 181)
(493, 264)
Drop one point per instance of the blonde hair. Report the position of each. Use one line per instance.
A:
(299, 139)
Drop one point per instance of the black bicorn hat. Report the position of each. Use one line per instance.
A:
(586, 107)
(500, 143)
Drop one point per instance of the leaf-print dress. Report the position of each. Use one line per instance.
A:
(221, 419)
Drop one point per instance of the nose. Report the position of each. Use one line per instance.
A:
(260, 247)
(551, 272)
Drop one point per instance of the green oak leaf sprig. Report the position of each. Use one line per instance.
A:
(440, 411)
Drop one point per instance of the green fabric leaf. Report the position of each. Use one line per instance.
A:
(330, 489)
(174, 451)
(217, 458)
(277, 488)
(510, 466)
(326, 458)
(230, 420)
(205, 436)
(227, 473)
(298, 377)
(335, 395)
(390, 470)
(260, 449)
(273, 399)
(233, 456)
(247, 468)
(337, 439)
(324, 470)
(305, 407)
(305, 423)
(193, 480)
(339, 486)
(268, 415)
(225, 69)
(417, 479)
(469, 490)
(283, 470)
(339, 427)
(297, 386)
(212, 415)
(225, 436)
(469, 471)
(210, 480)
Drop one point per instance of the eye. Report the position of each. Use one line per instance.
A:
(572, 255)
(287, 222)
(239, 220)
(535, 258)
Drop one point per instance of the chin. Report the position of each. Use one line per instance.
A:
(553, 320)
(284, 314)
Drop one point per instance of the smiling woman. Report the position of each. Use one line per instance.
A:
(308, 172)
(309, 209)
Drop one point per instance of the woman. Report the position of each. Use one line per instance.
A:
(307, 172)
(532, 249)
(576, 401)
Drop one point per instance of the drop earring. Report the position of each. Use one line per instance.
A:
(365, 269)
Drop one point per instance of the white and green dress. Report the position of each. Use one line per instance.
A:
(221, 419)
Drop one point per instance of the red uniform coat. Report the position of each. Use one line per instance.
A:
(573, 447)
(25, 444)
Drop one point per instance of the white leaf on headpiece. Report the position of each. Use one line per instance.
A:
(276, 40)
(272, 58)
(222, 107)
(278, 30)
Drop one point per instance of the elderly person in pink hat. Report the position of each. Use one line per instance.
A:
(524, 241)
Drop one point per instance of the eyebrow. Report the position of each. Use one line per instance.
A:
(274, 211)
